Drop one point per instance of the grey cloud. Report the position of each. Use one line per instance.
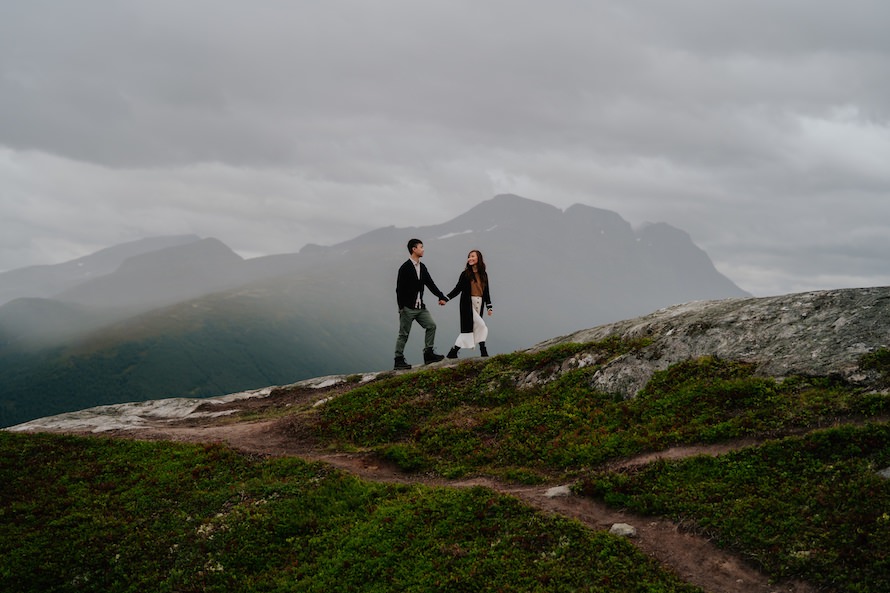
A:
(260, 85)
(271, 124)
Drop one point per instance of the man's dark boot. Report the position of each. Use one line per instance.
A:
(453, 352)
(482, 349)
(401, 364)
(430, 356)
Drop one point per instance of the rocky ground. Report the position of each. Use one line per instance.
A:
(817, 333)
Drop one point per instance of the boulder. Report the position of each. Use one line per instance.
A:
(820, 333)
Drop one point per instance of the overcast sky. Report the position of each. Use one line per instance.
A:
(760, 127)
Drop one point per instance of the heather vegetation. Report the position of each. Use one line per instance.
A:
(94, 514)
(812, 507)
(805, 499)
(807, 502)
(477, 417)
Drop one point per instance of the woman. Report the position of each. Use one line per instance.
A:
(473, 289)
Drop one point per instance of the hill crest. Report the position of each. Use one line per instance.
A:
(819, 333)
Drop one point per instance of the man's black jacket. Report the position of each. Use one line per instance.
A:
(408, 285)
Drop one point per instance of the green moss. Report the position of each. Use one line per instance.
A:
(99, 515)
(808, 507)
(879, 361)
(478, 417)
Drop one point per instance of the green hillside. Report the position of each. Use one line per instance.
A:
(108, 516)
(210, 347)
(806, 501)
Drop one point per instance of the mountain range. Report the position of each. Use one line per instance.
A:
(187, 316)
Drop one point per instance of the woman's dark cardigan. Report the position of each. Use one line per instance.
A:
(465, 304)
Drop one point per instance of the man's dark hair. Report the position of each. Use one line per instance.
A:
(413, 243)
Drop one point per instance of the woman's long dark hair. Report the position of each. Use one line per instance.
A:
(480, 268)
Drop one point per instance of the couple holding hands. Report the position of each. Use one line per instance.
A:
(472, 286)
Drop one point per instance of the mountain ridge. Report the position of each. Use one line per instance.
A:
(826, 333)
(330, 309)
(161, 277)
(45, 281)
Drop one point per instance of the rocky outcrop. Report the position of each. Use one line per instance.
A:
(823, 333)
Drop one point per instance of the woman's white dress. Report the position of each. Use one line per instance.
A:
(480, 330)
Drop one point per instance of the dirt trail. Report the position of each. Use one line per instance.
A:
(694, 558)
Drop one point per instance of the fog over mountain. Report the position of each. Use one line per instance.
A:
(184, 316)
(48, 281)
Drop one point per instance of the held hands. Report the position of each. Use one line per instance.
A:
(442, 302)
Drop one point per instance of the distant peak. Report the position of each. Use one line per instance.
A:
(499, 210)
(503, 197)
(514, 200)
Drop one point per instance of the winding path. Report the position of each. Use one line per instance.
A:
(693, 558)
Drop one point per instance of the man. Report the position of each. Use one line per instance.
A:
(412, 278)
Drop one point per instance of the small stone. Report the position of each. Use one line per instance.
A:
(623, 530)
(558, 491)
(885, 473)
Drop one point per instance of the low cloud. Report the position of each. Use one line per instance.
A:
(760, 129)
